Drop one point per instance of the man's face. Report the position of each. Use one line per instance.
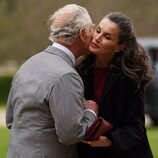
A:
(88, 39)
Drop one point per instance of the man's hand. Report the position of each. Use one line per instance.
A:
(92, 105)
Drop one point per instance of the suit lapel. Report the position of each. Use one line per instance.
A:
(60, 53)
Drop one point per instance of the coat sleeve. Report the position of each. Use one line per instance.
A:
(132, 130)
(66, 105)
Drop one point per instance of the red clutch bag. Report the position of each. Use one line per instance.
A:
(98, 127)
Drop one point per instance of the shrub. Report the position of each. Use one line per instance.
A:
(5, 84)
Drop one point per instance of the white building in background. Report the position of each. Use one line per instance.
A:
(151, 98)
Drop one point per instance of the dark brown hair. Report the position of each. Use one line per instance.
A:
(132, 61)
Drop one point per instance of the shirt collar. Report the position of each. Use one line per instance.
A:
(66, 50)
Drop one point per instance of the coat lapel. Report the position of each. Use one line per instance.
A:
(89, 88)
(111, 79)
(58, 52)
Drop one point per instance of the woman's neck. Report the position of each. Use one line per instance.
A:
(102, 62)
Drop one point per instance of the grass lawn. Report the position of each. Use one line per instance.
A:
(4, 141)
(2, 105)
(153, 139)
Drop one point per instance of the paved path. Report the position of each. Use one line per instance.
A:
(2, 117)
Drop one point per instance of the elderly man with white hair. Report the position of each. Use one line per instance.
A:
(46, 110)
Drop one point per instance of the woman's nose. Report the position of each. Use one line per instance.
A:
(98, 38)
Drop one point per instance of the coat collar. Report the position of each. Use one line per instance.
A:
(112, 77)
(60, 53)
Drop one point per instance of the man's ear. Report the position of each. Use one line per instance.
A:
(82, 34)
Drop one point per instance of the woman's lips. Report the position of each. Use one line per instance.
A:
(94, 45)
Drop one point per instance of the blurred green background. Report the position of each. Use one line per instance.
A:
(24, 32)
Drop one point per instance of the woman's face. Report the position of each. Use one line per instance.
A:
(105, 39)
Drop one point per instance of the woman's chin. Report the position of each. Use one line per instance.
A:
(91, 49)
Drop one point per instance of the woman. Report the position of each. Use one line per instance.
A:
(115, 75)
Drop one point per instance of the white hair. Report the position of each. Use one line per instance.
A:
(71, 18)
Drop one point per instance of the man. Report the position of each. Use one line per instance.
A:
(45, 109)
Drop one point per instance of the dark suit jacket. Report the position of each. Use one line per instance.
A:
(124, 108)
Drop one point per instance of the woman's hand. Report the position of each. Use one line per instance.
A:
(101, 142)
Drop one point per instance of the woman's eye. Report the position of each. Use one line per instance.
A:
(97, 30)
(107, 37)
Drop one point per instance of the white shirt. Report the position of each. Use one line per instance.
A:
(66, 50)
